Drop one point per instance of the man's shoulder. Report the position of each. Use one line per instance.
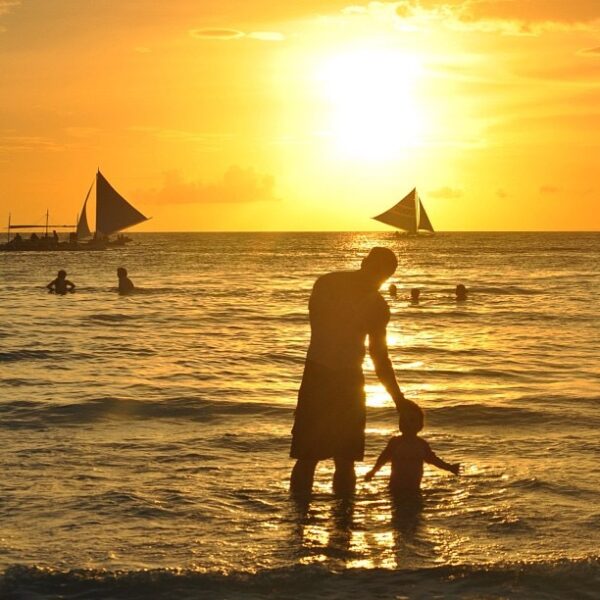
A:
(334, 279)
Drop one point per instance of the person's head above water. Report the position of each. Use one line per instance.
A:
(379, 264)
(461, 292)
(121, 272)
(62, 274)
(393, 290)
(414, 294)
(411, 419)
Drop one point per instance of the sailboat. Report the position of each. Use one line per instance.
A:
(113, 213)
(408, 215)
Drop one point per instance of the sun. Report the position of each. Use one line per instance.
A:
(372, 94)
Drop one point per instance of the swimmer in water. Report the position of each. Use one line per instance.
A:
(125, 284)
(61, 285)
(461, 293)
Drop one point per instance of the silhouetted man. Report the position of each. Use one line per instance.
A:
(345, 308)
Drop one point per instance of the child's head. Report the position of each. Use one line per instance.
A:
(411, 418)
(121, 272)
(62, 274)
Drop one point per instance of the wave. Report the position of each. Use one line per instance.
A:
(24, 414)
(111, 318)
(561, 578)
(16, 355)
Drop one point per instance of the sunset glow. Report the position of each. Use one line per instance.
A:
(262, 116)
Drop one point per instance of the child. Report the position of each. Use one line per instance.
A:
(407, 453)
(61, 285)
(125, 284)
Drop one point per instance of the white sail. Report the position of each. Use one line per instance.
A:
(113, 212)
(83, 229)
(408, 214)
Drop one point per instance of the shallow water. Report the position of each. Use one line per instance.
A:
(145, 438)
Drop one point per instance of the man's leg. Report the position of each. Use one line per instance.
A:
(303, 474)
(344, 478)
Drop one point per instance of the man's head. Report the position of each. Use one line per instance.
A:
(379, 264)
(121, 272)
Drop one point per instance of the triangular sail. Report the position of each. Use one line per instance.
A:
(83, 229)
(113, 212)
(424, 222)
(402, 215)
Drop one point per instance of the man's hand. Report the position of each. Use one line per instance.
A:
(370, 475)
(455, 468)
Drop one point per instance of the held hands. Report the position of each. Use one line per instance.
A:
(369, 475)
(455, 468)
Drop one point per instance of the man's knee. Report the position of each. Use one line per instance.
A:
(343, 464)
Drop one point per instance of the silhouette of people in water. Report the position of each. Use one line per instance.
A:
(393, 290)
(345, 308)
(407, 453)
(461, 293)
(415, 293)
(61, 285)
(125, 284)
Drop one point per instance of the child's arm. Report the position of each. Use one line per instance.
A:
(384, 457)
(50, 286)
(433, 459)
(70, 285)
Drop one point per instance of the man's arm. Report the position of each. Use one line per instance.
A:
(384, 457)
(378, 351)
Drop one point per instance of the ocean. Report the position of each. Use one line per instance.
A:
(145, 438)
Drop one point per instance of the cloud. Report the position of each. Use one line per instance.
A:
(239, 185)
(267, 36)
(206, 142)
(28, 143)
(549, 189)
(7, 5)
(595, 50)
(234, 34)
(446, 192)
(511, 17)
(216, 34)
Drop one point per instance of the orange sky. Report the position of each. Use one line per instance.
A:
(256, 115)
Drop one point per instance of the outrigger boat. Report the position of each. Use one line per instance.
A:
(113, 214)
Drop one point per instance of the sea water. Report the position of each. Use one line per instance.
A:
(144, 439)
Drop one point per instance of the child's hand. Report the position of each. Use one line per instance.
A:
(455, 468)
(369, 475)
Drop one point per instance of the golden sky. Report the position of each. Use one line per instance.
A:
(314, 115)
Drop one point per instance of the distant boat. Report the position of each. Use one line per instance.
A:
(113, 213)
(408, 215)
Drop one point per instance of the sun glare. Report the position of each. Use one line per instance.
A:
(372, 94)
